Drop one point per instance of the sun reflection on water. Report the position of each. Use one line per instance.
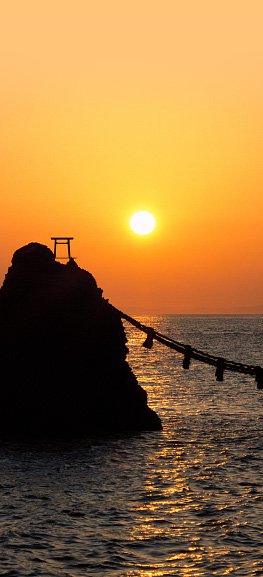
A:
(185, 516)
(182, 502)
(163, 519)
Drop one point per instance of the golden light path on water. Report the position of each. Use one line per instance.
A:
(183, 504)
(186, 501)
(169, 495)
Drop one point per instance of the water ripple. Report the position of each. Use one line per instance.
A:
(186, 501)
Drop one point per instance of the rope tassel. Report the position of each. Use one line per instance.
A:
(220, 365)
(187, 357)
(148, 343)
(259, 378)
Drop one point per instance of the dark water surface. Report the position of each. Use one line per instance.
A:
(186, 501)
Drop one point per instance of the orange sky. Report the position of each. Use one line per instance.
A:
(112, 107)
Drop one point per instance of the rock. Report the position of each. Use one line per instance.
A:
(63, 354)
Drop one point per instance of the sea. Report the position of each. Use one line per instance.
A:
(185, 501)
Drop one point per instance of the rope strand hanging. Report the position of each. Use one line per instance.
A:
(190, 353)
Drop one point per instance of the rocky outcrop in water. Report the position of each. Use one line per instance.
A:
(63, 353)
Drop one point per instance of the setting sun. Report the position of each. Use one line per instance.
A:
(142, 222)
(156, 108)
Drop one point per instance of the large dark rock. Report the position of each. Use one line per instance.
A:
(63, 354)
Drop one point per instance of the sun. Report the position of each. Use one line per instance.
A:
(142, 222)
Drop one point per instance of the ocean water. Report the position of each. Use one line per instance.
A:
(186, 501)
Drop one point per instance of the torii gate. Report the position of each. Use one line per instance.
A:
(62, 240)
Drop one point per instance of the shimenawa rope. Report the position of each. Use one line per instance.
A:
(189, 352)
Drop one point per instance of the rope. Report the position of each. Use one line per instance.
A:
(189, 352)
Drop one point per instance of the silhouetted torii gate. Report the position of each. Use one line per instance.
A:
(62, 240)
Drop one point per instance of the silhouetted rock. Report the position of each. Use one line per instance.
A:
(63, 354)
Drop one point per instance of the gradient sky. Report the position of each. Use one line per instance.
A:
(110, 107)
